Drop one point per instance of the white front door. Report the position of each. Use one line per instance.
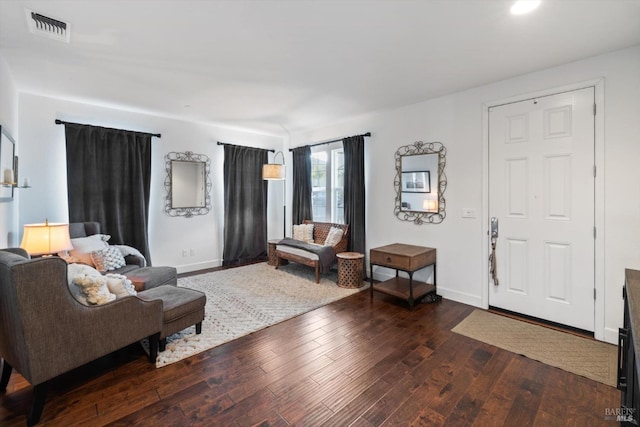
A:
(541, 190)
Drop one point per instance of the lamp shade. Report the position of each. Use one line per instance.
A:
(45, 239)
(430, 205)
(273, 171)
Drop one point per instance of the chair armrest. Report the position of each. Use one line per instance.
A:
(17, 251)
(132, 256)
(135, 260)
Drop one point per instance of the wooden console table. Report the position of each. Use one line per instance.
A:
(407, 258)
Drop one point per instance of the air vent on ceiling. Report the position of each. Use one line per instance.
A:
(48, 27)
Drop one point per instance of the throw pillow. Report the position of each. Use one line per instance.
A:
(90, 243)
(303, 232)
(94, 289)
(107, 259)
(334, 236)
(120, 285)
(74, 270)
(83, 246)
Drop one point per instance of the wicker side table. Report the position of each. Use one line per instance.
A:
(350, 269)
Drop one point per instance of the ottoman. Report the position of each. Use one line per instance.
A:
(151, 277)
(181, 308)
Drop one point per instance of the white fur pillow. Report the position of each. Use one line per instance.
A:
(74, 270)
(94, 289)
(334, 236)
(303, 232)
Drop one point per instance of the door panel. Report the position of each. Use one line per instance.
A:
(541, 188)
(517, 266)
(557, 187)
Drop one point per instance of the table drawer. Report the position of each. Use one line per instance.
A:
(390, 260)
(402, 262)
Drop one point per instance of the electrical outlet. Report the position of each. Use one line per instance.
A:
(469, 213)
(185, 253)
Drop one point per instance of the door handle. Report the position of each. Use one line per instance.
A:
(493, 268)
(494, 227)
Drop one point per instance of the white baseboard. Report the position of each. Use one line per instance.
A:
(188, 268)
(464, 298)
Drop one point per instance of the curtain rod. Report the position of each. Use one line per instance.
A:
(334, 140)
(234, 145)
(60, 122)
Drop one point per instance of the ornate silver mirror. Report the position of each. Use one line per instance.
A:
(420, 182)
(188, 184)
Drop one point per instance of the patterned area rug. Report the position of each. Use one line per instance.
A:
(246, 299)
(592, 359)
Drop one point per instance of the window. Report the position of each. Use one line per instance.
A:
(327, 181)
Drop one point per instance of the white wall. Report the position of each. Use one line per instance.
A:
(9, 120)
(42, 159)
(457, 121)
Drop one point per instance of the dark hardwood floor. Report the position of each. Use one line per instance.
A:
(348, 363)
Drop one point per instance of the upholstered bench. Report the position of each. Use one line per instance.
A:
(151, 277)
(321, 231)
(181, 307)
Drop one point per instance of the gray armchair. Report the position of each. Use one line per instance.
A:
(45, 331)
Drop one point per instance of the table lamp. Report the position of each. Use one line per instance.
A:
(46, 239)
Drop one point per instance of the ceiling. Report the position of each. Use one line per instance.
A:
(280, 66)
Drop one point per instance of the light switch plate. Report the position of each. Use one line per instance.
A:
(469, 213)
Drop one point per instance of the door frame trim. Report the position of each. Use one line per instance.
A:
(599, 199)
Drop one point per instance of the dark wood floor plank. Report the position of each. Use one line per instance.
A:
(295, 371)
(572, 397)
(317, 416)
(427, 378)
(441, 391)
(322, 363)
(351, 362)
(250, 410)
(358, 403)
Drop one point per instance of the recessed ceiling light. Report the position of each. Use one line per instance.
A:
(520, 7)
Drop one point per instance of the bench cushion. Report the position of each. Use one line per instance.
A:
(296, 251)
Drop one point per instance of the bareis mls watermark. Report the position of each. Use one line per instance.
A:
(620, 415)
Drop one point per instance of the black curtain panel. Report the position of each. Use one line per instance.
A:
(301, 199)
(245, 205)
(108, 181)
(354, 192)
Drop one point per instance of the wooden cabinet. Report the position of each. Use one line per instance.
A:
(628, 350)
(407, 258)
